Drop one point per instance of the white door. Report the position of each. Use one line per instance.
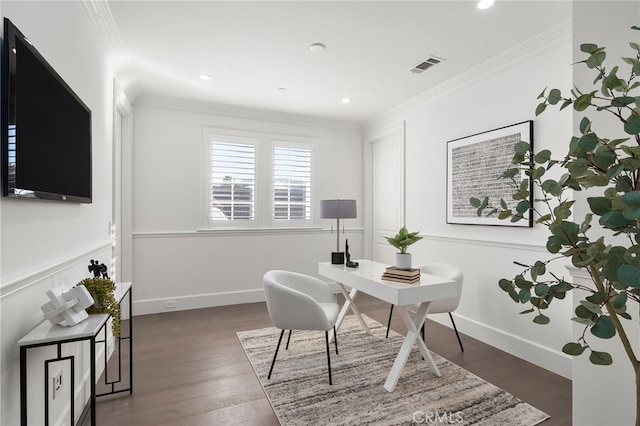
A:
(387, 197)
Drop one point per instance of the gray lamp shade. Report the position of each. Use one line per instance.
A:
(338, 209)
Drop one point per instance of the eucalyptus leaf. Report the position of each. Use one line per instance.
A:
(541, 289)
(542, 156)
(629, 275)
(596, 59)
(631, 198)
(583, 102)
(588, 47)
(620, 300)
(504, 214)
(583, 312)
(554, 96)
(573, 348)
(506, 285)
(599, 205)
(600, 358)
(603, 328)
(596, 298)
(632, 126)
(585, 125)
(541, 319)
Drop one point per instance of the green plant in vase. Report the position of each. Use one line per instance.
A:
(102, 291)
(402, 240)
(610, 169)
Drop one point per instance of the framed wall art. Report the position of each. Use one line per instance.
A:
(474, 165)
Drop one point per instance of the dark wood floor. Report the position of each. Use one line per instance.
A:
(189, 369)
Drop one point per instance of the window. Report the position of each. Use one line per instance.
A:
(291, 183)
(258, 180)
(232, 182)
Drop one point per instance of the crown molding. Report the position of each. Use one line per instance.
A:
(555, 36)
(209, 108)
(100, 16)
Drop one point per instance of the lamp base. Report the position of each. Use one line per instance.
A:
(337, 258)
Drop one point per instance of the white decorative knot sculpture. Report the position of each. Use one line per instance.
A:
(67, 306)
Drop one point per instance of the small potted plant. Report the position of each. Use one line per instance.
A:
(401, 241)
(101, 289)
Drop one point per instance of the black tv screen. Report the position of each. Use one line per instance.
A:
(46, 128)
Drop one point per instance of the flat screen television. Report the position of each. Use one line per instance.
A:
(46, 128)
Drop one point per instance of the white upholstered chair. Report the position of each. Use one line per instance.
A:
(444, 270)
(300, 302)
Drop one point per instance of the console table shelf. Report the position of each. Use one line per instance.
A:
(46, 334)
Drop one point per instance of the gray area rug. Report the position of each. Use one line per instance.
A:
(300, 393)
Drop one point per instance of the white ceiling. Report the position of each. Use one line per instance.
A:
(251, 49)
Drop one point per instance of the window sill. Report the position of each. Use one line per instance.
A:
(209, 232)
(261, 231)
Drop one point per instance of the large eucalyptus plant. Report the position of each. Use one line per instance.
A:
(611, 168)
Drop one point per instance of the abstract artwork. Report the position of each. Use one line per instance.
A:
(474, 166)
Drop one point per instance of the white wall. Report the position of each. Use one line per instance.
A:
(173, 260)
(493, 95)
(44, 243)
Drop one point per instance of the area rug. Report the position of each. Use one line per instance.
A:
(300, 394)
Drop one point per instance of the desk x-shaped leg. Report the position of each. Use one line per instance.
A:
(413, 334)
(349, 298)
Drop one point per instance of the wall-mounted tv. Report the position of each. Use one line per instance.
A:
(46, 128)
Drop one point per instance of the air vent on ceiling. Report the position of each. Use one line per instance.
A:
(425, 65)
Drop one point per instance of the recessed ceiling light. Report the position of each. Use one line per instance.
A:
(317, 47)
(346, 100)
(485, 4)
(282, 89)
(204, 76)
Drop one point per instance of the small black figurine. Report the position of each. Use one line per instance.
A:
(103, 271)
(349, 263)
(94, 268)
(98, 269)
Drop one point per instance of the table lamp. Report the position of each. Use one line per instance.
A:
(338, 209)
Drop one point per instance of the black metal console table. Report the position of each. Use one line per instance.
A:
(46, 334)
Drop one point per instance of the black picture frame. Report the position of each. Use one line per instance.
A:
(474, 164)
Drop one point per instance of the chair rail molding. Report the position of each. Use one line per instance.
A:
(30, 278)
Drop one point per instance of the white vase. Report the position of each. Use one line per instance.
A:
(403, 260)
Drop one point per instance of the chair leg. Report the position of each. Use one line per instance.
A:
(276, 354)
(335, 339)
(326, 338)
(389, 322)
(288, 338)
(456, 330)
(424, 335)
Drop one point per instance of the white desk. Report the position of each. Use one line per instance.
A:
(367, 278)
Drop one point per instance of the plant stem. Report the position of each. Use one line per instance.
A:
(624, 339)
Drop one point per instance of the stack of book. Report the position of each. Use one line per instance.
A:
(408, 276)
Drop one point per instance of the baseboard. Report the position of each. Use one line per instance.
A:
(168, 304)
(542, 356)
